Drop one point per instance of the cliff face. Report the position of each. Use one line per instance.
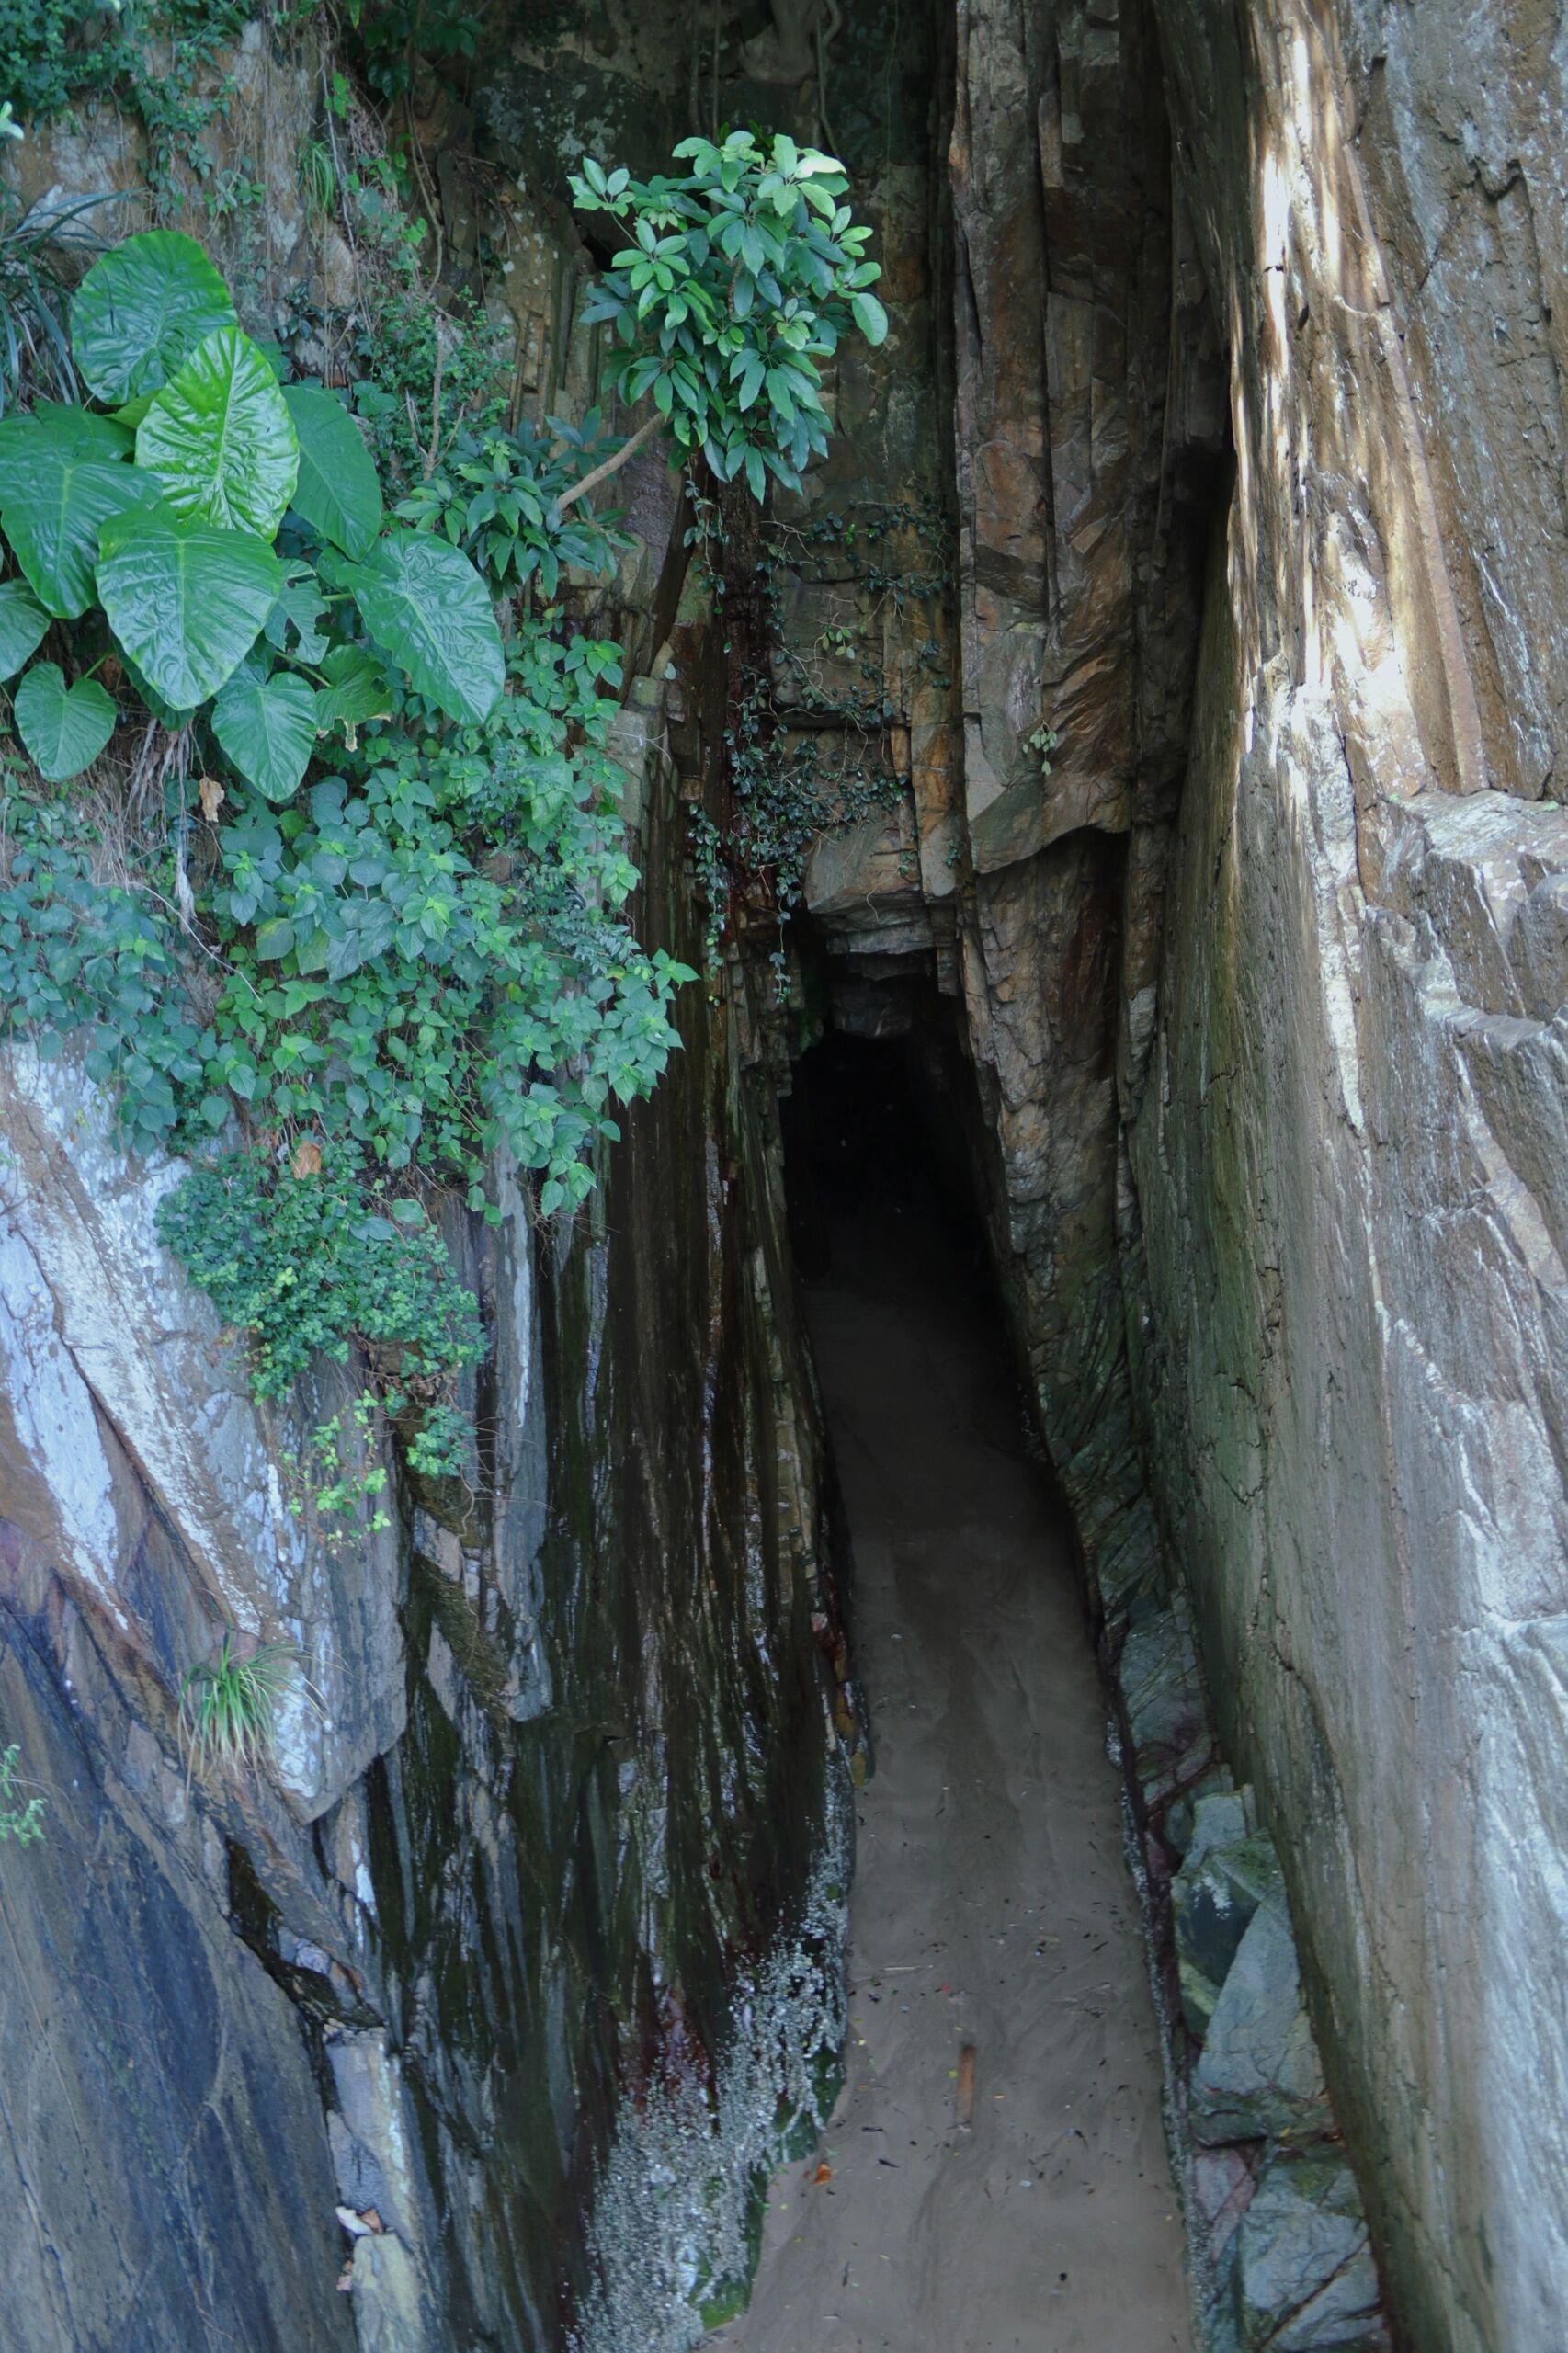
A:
(1347, 1158)
(551, 1882)
(1281, 1176)
(1257, 899)
(1213, 477)
(574, 1803)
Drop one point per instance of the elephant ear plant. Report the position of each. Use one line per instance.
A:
(154, 516)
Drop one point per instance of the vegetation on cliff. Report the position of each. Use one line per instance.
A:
(318, 839)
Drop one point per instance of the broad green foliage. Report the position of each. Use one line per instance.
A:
(220, 439)
(495, 496)
(63, 728)
(739, 282)
(343, 915)
(52, 506)
(430, 612)
(336, 492)
(175, 543)
(23, 622)
(142, 310)
(267, 726)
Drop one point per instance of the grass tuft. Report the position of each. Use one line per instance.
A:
(227, 1707)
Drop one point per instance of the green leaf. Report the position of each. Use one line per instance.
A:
(22, 624)
(430, 613)
(186, 601)
(267, 727)
(869, 317)
(300, 609)
(53, 510)
(54, 429)
(356, 690)
(64, 731)
(220, 439)
(141, 310)
(274, 940)
(337, 491)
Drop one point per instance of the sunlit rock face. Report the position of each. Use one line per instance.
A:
(1264, 990)
(1344, 1158)
(1258, 937)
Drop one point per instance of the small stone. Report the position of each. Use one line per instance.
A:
(1214, 1898)
(339, 277)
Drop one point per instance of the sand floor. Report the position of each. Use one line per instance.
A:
(992, 1905)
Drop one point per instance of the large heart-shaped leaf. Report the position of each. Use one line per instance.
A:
(53, 508)
(337, 491)
(220, 441)
(22, 624)
(267, 726)
(428, 610)
(186, 600)
(140, 308)
(53, 428)
(65, 729)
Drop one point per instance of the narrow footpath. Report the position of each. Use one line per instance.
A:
(997, 1961)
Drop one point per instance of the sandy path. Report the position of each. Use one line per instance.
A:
(992, 1904)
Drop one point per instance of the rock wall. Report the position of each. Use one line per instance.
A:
(1256, 883)
(572, 1812)
(1351, 1214)
(559, 1864)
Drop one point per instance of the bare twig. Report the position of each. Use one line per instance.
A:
(597, 474)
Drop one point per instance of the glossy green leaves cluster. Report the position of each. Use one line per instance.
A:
(736, 287)
(162, 510)
(344, 918)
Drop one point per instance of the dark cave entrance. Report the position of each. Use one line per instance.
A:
(881, 1127)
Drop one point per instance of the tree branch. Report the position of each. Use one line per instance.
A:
(597, 474)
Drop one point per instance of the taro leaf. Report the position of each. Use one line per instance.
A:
(141, 310)
(297, 610)
(356, 692)
(430, 613)
(56, 430)
(22, 624)
(63, 730)
(337, 491)
(53, 508)
(220, 439)
(186, 600)
(267, 726)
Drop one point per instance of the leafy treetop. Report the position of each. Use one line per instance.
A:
(737, 284)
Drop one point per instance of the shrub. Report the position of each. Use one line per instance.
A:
(345, 913)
